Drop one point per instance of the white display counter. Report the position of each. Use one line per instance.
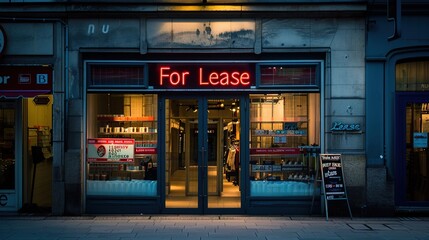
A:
(280, 188)
(122, 188)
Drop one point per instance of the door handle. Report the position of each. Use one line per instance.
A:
(203, 172)
(202, 162)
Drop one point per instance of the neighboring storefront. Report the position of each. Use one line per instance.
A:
(26, 125)
(397, 89)
(26, 137)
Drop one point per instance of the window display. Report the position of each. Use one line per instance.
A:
(122, 145)
(283, 129)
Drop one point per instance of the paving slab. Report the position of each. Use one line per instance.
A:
(188, 227)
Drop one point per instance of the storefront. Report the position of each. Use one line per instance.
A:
(397, 87)
(411, 128)
(30, 76)
(25, 138)
(232, 138)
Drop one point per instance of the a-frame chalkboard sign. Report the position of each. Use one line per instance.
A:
(333, 183)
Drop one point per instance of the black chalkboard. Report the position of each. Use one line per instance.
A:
(331, 167)
(332, 174)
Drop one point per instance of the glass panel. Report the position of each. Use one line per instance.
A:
(282, 128)
(192, 163)
(7, 145)
(181, 159)
(223, 156)
(288, 75)
(119, 75)
(122, 145)
(412, 76)
(417, 154)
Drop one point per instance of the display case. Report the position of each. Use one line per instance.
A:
(277, 168)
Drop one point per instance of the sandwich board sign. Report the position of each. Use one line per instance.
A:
(333, 184)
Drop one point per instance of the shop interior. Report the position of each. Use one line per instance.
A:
(39, 150)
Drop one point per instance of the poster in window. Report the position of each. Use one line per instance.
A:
(420, 140)
(110, 150)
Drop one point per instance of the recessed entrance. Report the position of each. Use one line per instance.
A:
(202, 167)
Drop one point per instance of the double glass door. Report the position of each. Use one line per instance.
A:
(202, 161)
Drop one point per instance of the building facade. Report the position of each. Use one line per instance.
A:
(193, 107)
(396, 76)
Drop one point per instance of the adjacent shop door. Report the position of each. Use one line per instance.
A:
(202, 161)
(10, 156)
(412, 149)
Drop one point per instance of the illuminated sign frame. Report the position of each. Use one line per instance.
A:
(193, 75)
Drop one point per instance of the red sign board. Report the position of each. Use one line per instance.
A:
(275, 151)
(145, 150)
(25, 81)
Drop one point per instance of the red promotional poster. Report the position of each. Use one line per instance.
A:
(110, 150)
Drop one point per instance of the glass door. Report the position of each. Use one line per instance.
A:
(412, 148)
(202, 161)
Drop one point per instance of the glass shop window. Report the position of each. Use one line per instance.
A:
(277, 75)
(284, 137)
(115, 75)
(122, 145)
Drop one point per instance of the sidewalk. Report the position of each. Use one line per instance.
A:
(191, 227)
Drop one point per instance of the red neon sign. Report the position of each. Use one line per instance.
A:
(203, 76)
